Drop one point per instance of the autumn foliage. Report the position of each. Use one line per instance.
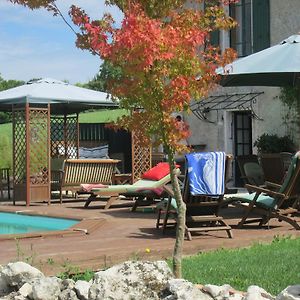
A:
(165, 62)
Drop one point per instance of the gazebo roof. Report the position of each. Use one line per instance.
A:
(63, 97)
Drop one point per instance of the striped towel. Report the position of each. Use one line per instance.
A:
(206, 173)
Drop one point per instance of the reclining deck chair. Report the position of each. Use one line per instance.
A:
(251, 171)
(141, 189)
(270, 204)
(273, 167)
(203, 193)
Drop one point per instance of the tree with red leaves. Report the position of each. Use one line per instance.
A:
(164, 58)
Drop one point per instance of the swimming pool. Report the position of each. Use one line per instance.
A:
(13, 223)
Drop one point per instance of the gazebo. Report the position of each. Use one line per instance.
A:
(45, 124)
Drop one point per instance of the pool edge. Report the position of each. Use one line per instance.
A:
(84, 227)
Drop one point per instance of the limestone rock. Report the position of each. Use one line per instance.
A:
(290, 293)
(218, 292)
(13, 296)
(82, 289)
(4, 287)
(18, 273)
(26, 289)
(256, 293)
(131, 280)
(47, 288)
(68, 295)
(67, 284)
(183, 290)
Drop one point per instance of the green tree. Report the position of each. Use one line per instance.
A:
(101, 81)
(5, 85)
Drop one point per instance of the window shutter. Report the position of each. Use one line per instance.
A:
(261, 25)
(215, 38)
(214, 35)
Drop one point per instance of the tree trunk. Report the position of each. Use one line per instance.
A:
(181, 209)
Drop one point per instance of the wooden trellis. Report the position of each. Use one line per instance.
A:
(141, 158)
(64, 136)
(31, 141)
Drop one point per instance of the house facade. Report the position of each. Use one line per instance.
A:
(232, 118)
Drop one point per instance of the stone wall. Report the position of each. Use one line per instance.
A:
(127, 281)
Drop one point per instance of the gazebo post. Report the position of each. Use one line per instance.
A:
(27, 155)
(78, 133)
(65, 136)
(49, 153)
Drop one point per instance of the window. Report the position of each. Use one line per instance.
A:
(253, 31)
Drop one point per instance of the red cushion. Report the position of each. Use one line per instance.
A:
(161, 170)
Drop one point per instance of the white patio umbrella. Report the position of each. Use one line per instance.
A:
(278, 65)
(63, 97)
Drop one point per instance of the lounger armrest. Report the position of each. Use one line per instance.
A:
(259, 189)
(272, 185)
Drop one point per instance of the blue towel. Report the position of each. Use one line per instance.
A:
(206, 173)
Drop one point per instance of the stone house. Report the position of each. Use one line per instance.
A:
(231, 119)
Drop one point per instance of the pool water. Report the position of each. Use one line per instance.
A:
(12, 223)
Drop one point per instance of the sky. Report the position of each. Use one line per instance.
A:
(34, 44)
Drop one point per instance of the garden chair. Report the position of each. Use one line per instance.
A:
(143, 191)
(5, 182)
(203, 192)
(273, 167)
(268, 204)
(251, 171)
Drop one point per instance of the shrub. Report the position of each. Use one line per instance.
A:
(272, 143)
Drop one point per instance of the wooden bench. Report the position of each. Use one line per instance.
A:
(74, 172)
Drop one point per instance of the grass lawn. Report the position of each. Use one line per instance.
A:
(101, 116)
(271, 266)
(5, 145)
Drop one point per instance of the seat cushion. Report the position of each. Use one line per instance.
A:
(158, 172)
(163, 204)
(262, 201)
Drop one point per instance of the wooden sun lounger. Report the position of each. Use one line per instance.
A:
(139, 189)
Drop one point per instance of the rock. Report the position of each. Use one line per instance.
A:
(237, 296)
(18, 273)
(218, 292)
(47, 288)
(68, 295)
(290, 293)
(131, 280)
(183, 290)
(67, 284)
(26, 289)
(82, 289)
(4, 287)
(256, 293)
(13, 296)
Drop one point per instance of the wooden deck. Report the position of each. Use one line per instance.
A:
(121, 235)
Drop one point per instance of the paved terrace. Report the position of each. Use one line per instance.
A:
(120, 235)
